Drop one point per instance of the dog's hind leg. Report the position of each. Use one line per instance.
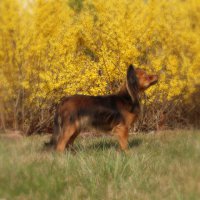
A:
(64, 138)
(121, 131)
(71, 140)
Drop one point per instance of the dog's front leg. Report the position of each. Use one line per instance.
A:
(121, 131)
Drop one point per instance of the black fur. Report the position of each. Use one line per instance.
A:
(132, 83)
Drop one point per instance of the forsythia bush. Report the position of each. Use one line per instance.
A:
(51, 48)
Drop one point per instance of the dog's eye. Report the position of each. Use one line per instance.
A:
(147, 78)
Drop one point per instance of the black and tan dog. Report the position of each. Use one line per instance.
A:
(112, 113)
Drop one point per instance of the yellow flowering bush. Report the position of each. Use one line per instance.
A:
(51, 48)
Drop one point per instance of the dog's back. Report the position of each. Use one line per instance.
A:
(99, 112)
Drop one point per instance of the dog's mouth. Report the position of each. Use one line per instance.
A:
(154, 79)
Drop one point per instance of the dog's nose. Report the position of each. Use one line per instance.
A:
(156, 77)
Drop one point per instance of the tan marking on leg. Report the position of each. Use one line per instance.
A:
(65, 137)
(122, 134)
(71, 140)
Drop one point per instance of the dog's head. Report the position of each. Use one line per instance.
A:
(139, 79)
(145, 80)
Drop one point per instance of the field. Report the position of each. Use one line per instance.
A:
(157, 166)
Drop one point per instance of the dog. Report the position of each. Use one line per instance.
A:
(110, 113)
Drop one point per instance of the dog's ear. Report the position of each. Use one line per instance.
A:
(131, 76)
(132, 82)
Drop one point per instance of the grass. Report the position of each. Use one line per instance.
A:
(157, 166)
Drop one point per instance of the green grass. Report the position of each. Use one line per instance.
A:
(159, 166)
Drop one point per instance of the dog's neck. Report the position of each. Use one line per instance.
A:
(123, 92)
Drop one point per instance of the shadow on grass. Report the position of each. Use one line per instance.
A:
(99, 145)
(104, 145)
(135, 142)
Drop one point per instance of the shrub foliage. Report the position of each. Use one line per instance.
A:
(61, 47)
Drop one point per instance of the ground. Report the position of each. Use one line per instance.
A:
(165, 165)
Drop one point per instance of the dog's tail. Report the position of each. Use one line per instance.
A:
(132, 84)
(57, 131)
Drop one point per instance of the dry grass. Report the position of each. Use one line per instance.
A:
(158, 166)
